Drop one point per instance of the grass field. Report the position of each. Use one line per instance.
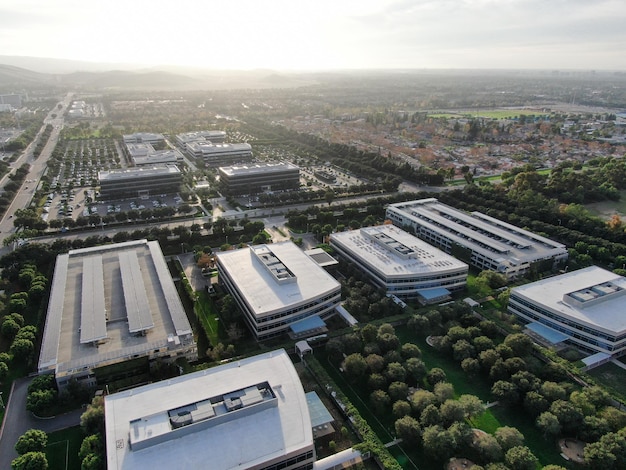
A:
(612, 377)
(205, 310)
(606, 209)
(63, 447)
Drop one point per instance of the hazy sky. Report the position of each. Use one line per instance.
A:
(322, 34)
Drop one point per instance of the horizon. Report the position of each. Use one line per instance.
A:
(244, 35)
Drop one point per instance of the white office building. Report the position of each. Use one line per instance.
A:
(401, 263)
(219, 154)
(481, 240)
(248, 414)
(278, 288)
(144, 137)
(584, 308)
(215, 137)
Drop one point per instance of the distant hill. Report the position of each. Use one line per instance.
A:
(161, 78)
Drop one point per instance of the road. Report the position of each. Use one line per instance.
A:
(25, 194)
(17, 421)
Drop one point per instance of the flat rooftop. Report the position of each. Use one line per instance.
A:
(395, 253)
(257, 168)
(199, 136)
(483, 234)
(120, 297)
(259, 285)
(144, 172)
(601, 291)
(235, 416)
(207, 148)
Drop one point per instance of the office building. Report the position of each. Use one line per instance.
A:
(214, 137)
(144, 138)
(216, 155)
(259, 177)
(478, 239)
(583, 308)
(401, 264)
(277, 287)
(144, 154)
(143, 182)
(248, 414)
(110, 304)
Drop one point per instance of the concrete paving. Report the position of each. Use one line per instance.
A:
(17, 421)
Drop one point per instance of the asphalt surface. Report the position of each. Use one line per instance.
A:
(17, 421)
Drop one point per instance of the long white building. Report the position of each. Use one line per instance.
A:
(110, 304)
(401, 263)
(215, 137)
(277, 286)
(219, 154)
(583, 307)
(248, 414)
(481, 240)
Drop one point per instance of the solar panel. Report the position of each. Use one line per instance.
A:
(92, 308)
(135, 297)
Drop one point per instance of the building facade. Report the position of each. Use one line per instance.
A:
(108, 305)
(215, 155)
(259, 177)
(140, 182)
(585, 307)
(400, 263)
(250, 414)
(276, 286)
(478, 239)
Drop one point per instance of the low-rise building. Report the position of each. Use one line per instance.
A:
(478, 239)
(277, 286)
(142, 181)
(144, 138)
(584, 308)
(248, 414)
(259, 177)
(400, 263)
(144, 154)
(108, 305)
(216, 155)
(215, 137)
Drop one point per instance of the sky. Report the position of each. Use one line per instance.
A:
(322, 34)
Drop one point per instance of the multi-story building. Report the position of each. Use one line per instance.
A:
(478, 239)
(400, 263)
(110, 304)
(248, 414)
(145, 154)
(216, 155)
(277, 286)
(140, 181)
(144, 138)
(259, 177)
(12, 99)
(215, 137)
(584, 308)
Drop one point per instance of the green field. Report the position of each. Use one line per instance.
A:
(612, 377)
(489, 114)
(606, 209)
(63, 447)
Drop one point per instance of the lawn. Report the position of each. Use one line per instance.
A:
(612, 377)
(605, 209)
(63, 447)
(207, 314)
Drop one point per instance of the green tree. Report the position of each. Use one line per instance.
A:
(509, 437)
(408, 429)
(22, 349)
(33, 440)
(355, 366)
(520, 458)
(9, 328)
(401, 408)
(92, 420)
(549, 424)
(30, 461)
(380, 401)
(488, 448)
(4, 370)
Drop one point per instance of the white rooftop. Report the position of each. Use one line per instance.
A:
(395, 252)
(237, 440)
(257, 168)
(207, 148)
(144, 172)
(481, 233)
(259, 282)
(591, 296)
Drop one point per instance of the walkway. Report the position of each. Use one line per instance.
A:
(17, 421)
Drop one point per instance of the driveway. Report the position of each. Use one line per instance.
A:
(17, 421)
